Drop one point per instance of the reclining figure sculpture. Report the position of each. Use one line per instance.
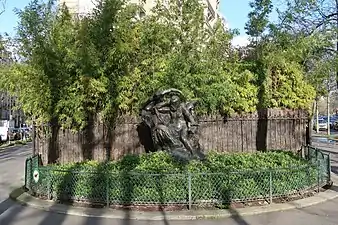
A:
(172, 124)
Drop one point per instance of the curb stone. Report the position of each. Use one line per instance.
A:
(25, 199)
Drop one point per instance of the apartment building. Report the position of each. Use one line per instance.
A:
(82, 7)
(9, 111)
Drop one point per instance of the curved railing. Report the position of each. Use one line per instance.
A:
(177, 189)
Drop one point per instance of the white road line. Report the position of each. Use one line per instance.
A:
(23, 153)
(6, 159)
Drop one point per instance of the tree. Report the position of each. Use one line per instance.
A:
(311, 17)
(258, 18)
(73, 72)
(109, 62)
(177, 50)
(279, 60)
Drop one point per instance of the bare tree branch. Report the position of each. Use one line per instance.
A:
(2, 6)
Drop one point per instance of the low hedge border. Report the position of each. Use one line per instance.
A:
(157, 179)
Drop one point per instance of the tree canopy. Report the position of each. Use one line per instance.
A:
(110, 61)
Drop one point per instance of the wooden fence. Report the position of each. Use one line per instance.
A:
(264, 130)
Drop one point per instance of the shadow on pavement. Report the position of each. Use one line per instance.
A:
(52, 218)
(15, 152)
(334, 169)
(5, 205)
(237, 218)
(314, 210)
(9, 210)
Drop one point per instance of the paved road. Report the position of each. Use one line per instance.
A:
(13, 214)
(12, 167)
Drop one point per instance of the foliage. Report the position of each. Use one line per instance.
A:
(316, 20)
(281, 59)
(109, 62)
(258, 18)
(162, 162)
(157, 177)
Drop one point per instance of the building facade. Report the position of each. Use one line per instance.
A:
(9, 110)
(83, 7)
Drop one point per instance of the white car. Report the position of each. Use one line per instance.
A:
(322, 124)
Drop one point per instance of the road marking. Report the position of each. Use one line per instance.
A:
(23, 153)
(6, 159)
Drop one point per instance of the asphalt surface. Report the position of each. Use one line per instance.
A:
(11, 167)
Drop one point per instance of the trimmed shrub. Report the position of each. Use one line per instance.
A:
(158, 178)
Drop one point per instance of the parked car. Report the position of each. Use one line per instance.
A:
(13, 134)
(322, 124)
(333, 119)
(26, 132)
(335, 125)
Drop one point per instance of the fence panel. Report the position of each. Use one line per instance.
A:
(319, 157)
(126, 188)
(271, 129)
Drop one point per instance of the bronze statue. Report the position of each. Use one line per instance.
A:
(172, 124)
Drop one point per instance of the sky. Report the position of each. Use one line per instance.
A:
(8, 20)
(235, 12)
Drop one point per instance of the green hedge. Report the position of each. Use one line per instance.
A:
(158, 178)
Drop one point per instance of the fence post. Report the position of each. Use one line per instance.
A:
(26, 170)
(189, 189)
(270, 187)
(329, 168)
(31, 176)
(34, 139)
(318, 174)
(107, 191)
(310, 183)
(49, 187)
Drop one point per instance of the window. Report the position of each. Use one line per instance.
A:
(142, 14)
(165, 3)
(210, 15)
(210, 12)
(179, 3)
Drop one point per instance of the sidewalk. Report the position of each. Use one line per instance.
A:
(50, 206)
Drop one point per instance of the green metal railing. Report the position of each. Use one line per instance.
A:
(190, 189)
(322, 159)
(32, 163)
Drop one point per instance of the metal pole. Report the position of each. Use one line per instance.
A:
(318, 175)
(317, 114)
(270, 187)
(31, 176)
(310, 182)
(107, 192)
(329, 168)
(336, 39)
(26, 173)
(49, 188)
(33, 137)
(189, 189)
(328, 106)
